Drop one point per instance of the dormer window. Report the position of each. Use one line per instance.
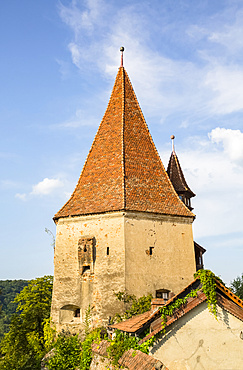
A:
(162, 293)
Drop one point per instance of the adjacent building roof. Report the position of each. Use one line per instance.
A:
(131, 359)
(177, 177)
(123, 170)
(137, 324)
(134, 360)
(225, 298)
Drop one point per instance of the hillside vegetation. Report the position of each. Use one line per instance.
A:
(8, 291)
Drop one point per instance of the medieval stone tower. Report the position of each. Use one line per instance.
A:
(124, 228)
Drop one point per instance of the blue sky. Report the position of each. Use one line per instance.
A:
(58, 63)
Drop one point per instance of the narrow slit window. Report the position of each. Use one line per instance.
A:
(151, 250)
(108, 251)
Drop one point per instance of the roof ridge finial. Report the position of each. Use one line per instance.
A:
(173, 147)
(121, 50)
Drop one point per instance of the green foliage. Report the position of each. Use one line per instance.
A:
(174, 306)
(23, 346)
(9, 289)
(87, 320)
(135, 305)
(67, 353)
(237, 286)
(123, 342)
(207, 279)
(208, 286)
(49, 332)
(71, 353)
(86, 354)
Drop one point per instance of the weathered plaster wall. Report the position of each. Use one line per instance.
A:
(172, 263)
(128, 266)
(70, 287)
(199, 341)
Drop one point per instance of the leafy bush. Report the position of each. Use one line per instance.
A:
(71, 353)
(67, 354)
(134, 305)
(123, 342)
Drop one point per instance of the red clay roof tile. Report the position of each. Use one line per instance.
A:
(134, 359)
(133, 324)
(123, 170)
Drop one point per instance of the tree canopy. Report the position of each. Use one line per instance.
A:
(237, 286)
(23, 346)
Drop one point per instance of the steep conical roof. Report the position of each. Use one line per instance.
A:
(177, 177)
(123, 170)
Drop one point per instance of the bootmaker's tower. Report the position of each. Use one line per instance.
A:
(124, 227)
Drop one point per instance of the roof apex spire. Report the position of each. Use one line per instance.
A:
(123, 170)
(173, 147)
(121, 50)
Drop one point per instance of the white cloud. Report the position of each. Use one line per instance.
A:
(76, 54)
(22, 196)
(46, 186)
(232, 141)
(227, 84)
(64, 68)
(231, 34)
(57, 187)
(79, 19)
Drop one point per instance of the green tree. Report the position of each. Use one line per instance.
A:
(237, 286)
(23, 346)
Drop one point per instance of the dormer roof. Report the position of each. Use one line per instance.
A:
(123, 170)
